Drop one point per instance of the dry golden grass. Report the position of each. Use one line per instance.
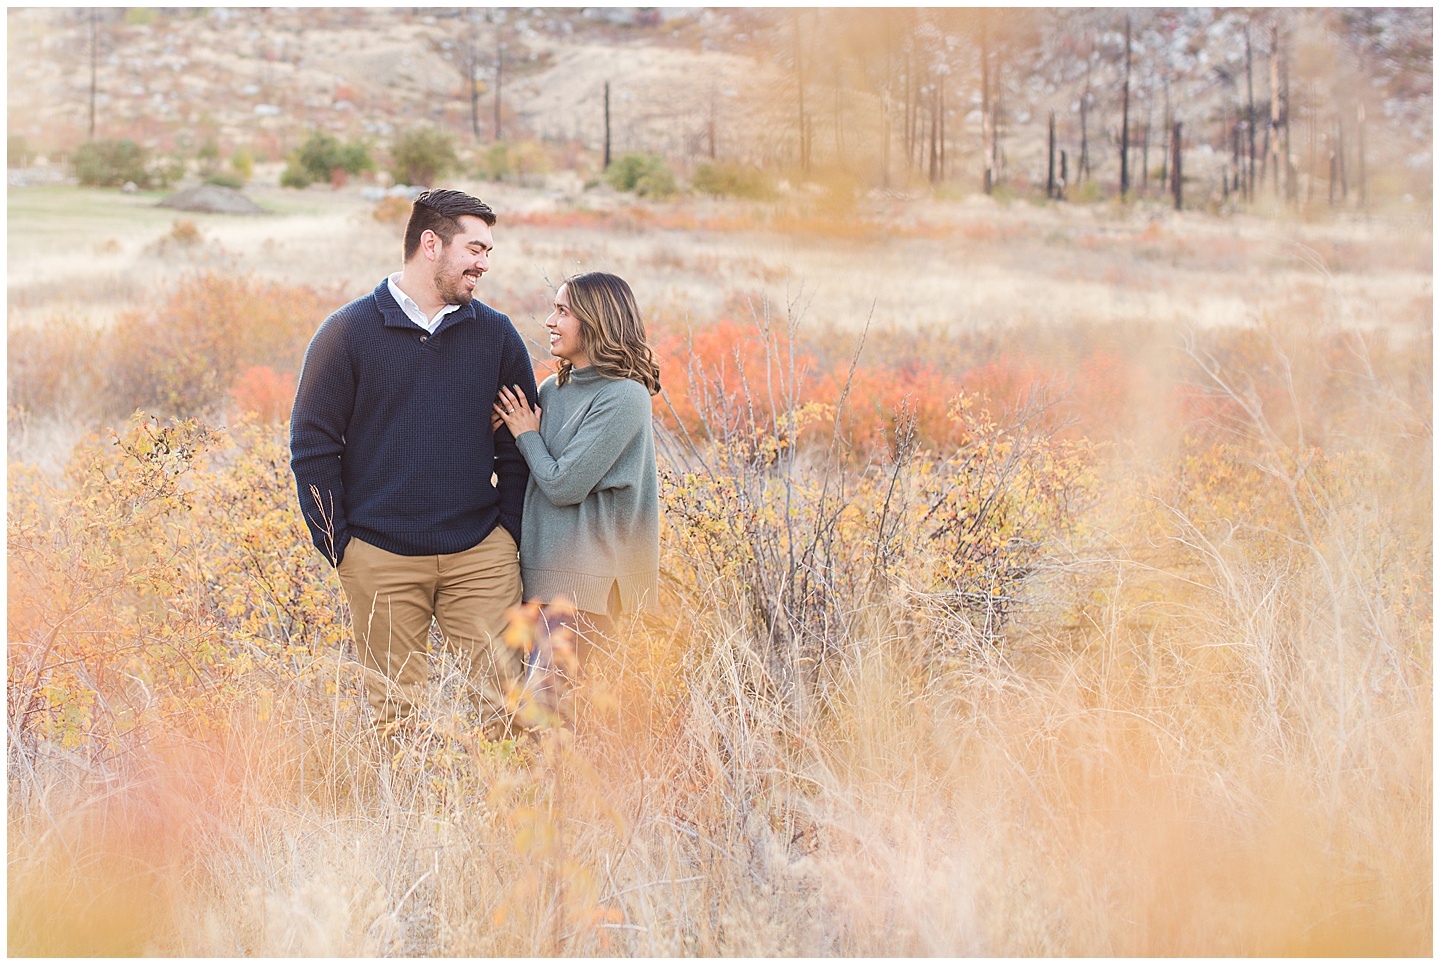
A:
(1064, 808)
(964, 265)
(1207, 731)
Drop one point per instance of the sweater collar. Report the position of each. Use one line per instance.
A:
(395, 316)
(588, 374)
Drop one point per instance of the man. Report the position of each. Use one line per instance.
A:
(393, 454)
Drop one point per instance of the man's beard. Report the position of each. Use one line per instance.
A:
(453, 290)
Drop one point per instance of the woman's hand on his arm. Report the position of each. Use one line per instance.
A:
(513, 410)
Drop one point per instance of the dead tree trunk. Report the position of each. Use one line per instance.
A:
(474, 100)
(935, 135)
(1249, 120)
(885, 140)
(885, 105)
(1237, 157)
(987, 121)
(997, 125)
(710, 125)
(1360, 151)
(499, 82)
(94, 65)
(917, 134)
(912, 100)
(1165, 158)
(1334, 179)
(1050, 160)
(606, 166)
(942, 125)
(1082, 171)
(1338, 179)
(1125, 119)
(1292, 188)
(1177, 179)
(1273, 135)
(1145, 154)
(1312, 129)
(802, 129)
(1265, 164)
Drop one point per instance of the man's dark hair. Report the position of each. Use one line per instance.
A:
(439, 211)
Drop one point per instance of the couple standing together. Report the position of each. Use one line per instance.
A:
(442, 485)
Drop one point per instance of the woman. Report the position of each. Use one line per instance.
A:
(591, 529)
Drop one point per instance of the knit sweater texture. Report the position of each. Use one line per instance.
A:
(390, 437)
(592, 506)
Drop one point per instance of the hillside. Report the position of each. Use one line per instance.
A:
(267, 77)
(899, 99)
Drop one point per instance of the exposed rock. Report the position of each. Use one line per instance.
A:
(211, 199)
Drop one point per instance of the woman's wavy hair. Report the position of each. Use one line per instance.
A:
(610, 330)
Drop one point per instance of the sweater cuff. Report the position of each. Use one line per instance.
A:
(526, 442)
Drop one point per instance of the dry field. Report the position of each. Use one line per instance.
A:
(1037, 581)
(958, 265)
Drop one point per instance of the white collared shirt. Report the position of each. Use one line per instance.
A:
(412, 310)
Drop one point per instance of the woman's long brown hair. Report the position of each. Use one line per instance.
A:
(610, 330)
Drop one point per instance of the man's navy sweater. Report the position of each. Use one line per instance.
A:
(390, 437)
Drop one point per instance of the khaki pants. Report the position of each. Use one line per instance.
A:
(392, 601)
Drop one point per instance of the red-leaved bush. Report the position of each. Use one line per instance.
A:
(264, 393)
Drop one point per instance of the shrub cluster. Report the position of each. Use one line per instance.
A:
(183, 356)
(905, 373)
(213, 339)
(110, 163)
(321, 157)
(225, 179)
(242, 161)
(166, 170)
(645, 174)
(780, 503)
(17, 151)
(172, 566)
(733, 180)
(517, 160)
(207, 157)
(421, 155)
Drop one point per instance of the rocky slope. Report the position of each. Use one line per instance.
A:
(266, 77)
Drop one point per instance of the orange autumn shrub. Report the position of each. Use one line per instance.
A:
(182, 355)
(255, 575)
(775, 513)
(728, 375)
(147, 584)
(102, 651)
(725, 377)
(261, 391)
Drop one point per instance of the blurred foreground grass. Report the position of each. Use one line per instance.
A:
(1143, 671)
(1203, 726)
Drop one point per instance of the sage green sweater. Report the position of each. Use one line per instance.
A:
(592, 506)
